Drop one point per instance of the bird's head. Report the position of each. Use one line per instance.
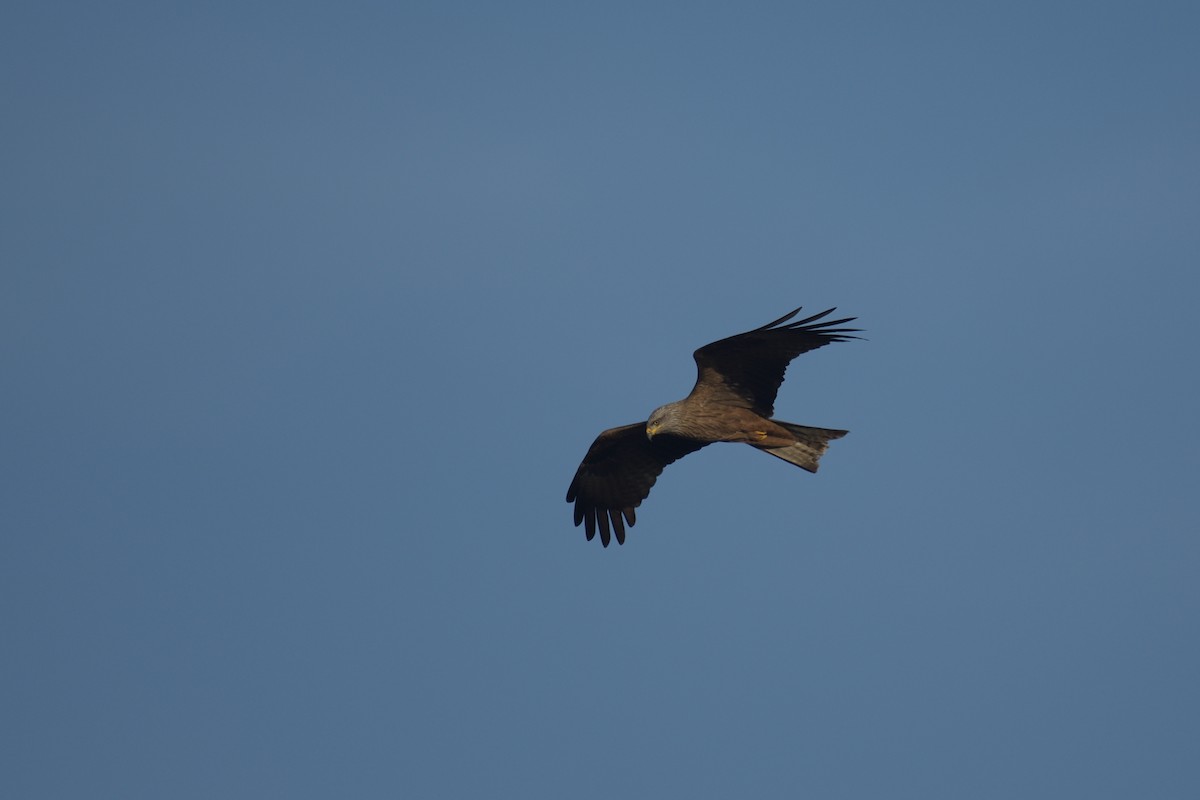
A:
(661, 420)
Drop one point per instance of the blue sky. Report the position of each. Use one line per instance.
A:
(308, 313)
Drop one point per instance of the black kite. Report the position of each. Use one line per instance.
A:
(732, 401)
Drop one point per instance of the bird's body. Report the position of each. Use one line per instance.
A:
(709, 422)
(732, 401)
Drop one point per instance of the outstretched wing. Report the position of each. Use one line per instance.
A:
(616, 476)
(746, 370)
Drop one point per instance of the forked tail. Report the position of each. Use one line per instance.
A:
(810, 445)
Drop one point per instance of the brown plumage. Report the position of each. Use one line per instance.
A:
(733, 401)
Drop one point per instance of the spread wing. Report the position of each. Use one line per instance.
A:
(616, 476)
(746, 370)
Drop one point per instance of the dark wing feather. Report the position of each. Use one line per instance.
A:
(746, 370)
(616, 476)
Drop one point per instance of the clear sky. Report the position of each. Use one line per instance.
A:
(308, 312)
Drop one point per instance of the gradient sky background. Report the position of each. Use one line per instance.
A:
(309, 311)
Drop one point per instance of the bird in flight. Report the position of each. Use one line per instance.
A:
(733, 401)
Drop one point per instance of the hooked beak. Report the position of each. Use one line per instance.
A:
(651, 430)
